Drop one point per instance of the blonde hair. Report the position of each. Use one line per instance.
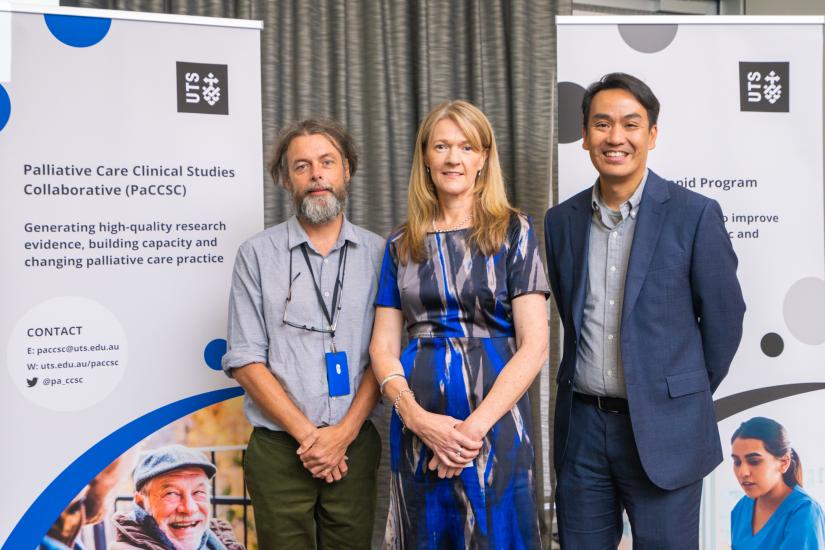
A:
(491, 209)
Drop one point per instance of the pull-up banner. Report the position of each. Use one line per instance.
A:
(741, 122)
(130, 171)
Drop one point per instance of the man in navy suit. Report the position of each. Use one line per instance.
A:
(644, 277)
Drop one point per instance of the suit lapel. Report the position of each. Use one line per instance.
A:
(579, 241)
(648, 228)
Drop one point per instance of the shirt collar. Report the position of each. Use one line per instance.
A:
(627, 208)
(296, 236)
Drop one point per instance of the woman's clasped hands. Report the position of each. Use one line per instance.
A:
(454, 444)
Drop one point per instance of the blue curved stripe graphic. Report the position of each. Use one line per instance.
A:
(41, 514)
(5, 107)
(738, 402)
(77, 30)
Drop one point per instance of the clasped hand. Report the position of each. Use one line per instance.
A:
(322, 452)
(453, 442)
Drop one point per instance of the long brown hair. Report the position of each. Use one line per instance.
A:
(491, 209)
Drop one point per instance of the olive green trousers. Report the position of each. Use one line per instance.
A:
(293, 510)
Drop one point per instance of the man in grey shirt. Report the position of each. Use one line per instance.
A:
(300, 319)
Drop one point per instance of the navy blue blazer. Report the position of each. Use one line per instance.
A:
(681, 323)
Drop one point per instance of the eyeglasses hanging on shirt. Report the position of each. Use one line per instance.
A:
(337, 293)
(337, 365)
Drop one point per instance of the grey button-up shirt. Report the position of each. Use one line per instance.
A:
(257, 332)
(599, 369)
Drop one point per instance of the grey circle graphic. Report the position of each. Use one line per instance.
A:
(570, 112)
(772, 344)
(648, 38)
(804, 310)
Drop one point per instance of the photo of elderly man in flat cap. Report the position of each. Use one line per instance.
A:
(172, 509)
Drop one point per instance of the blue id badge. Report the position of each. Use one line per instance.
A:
(337, 373)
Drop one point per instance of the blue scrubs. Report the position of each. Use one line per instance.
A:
(797, 524)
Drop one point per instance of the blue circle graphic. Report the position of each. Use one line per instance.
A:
(214, 352)
(5, 107)
(76, 30)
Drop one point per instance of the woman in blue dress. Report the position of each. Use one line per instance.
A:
(775, 513)
(464, 275)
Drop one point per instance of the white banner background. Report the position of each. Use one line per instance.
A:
(692, 65)
(114, 104)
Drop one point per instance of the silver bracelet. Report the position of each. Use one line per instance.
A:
(397, 400)
(387, 379)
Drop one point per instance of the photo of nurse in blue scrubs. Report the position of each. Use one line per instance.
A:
(775, 513)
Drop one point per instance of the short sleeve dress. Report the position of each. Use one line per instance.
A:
(457, 307)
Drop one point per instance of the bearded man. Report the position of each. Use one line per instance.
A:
(172, 505)
(300, 319)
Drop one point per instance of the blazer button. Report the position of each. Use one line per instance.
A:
(570, 382)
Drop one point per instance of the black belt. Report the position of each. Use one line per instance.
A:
(615, 405)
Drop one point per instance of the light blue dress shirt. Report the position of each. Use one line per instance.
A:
(599, 367)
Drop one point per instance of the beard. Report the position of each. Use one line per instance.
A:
(320, 209)
(175, 528)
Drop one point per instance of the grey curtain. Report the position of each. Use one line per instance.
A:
(379, 66)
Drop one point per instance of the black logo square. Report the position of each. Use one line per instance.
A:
(764, 86)
(203, 88)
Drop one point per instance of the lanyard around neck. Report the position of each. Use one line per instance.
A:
(339, 283)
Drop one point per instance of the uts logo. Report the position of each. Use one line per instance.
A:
(203, 88)
(764, 87)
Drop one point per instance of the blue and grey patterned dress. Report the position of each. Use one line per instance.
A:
(458, 312)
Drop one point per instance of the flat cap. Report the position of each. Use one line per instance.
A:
(165, 459)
